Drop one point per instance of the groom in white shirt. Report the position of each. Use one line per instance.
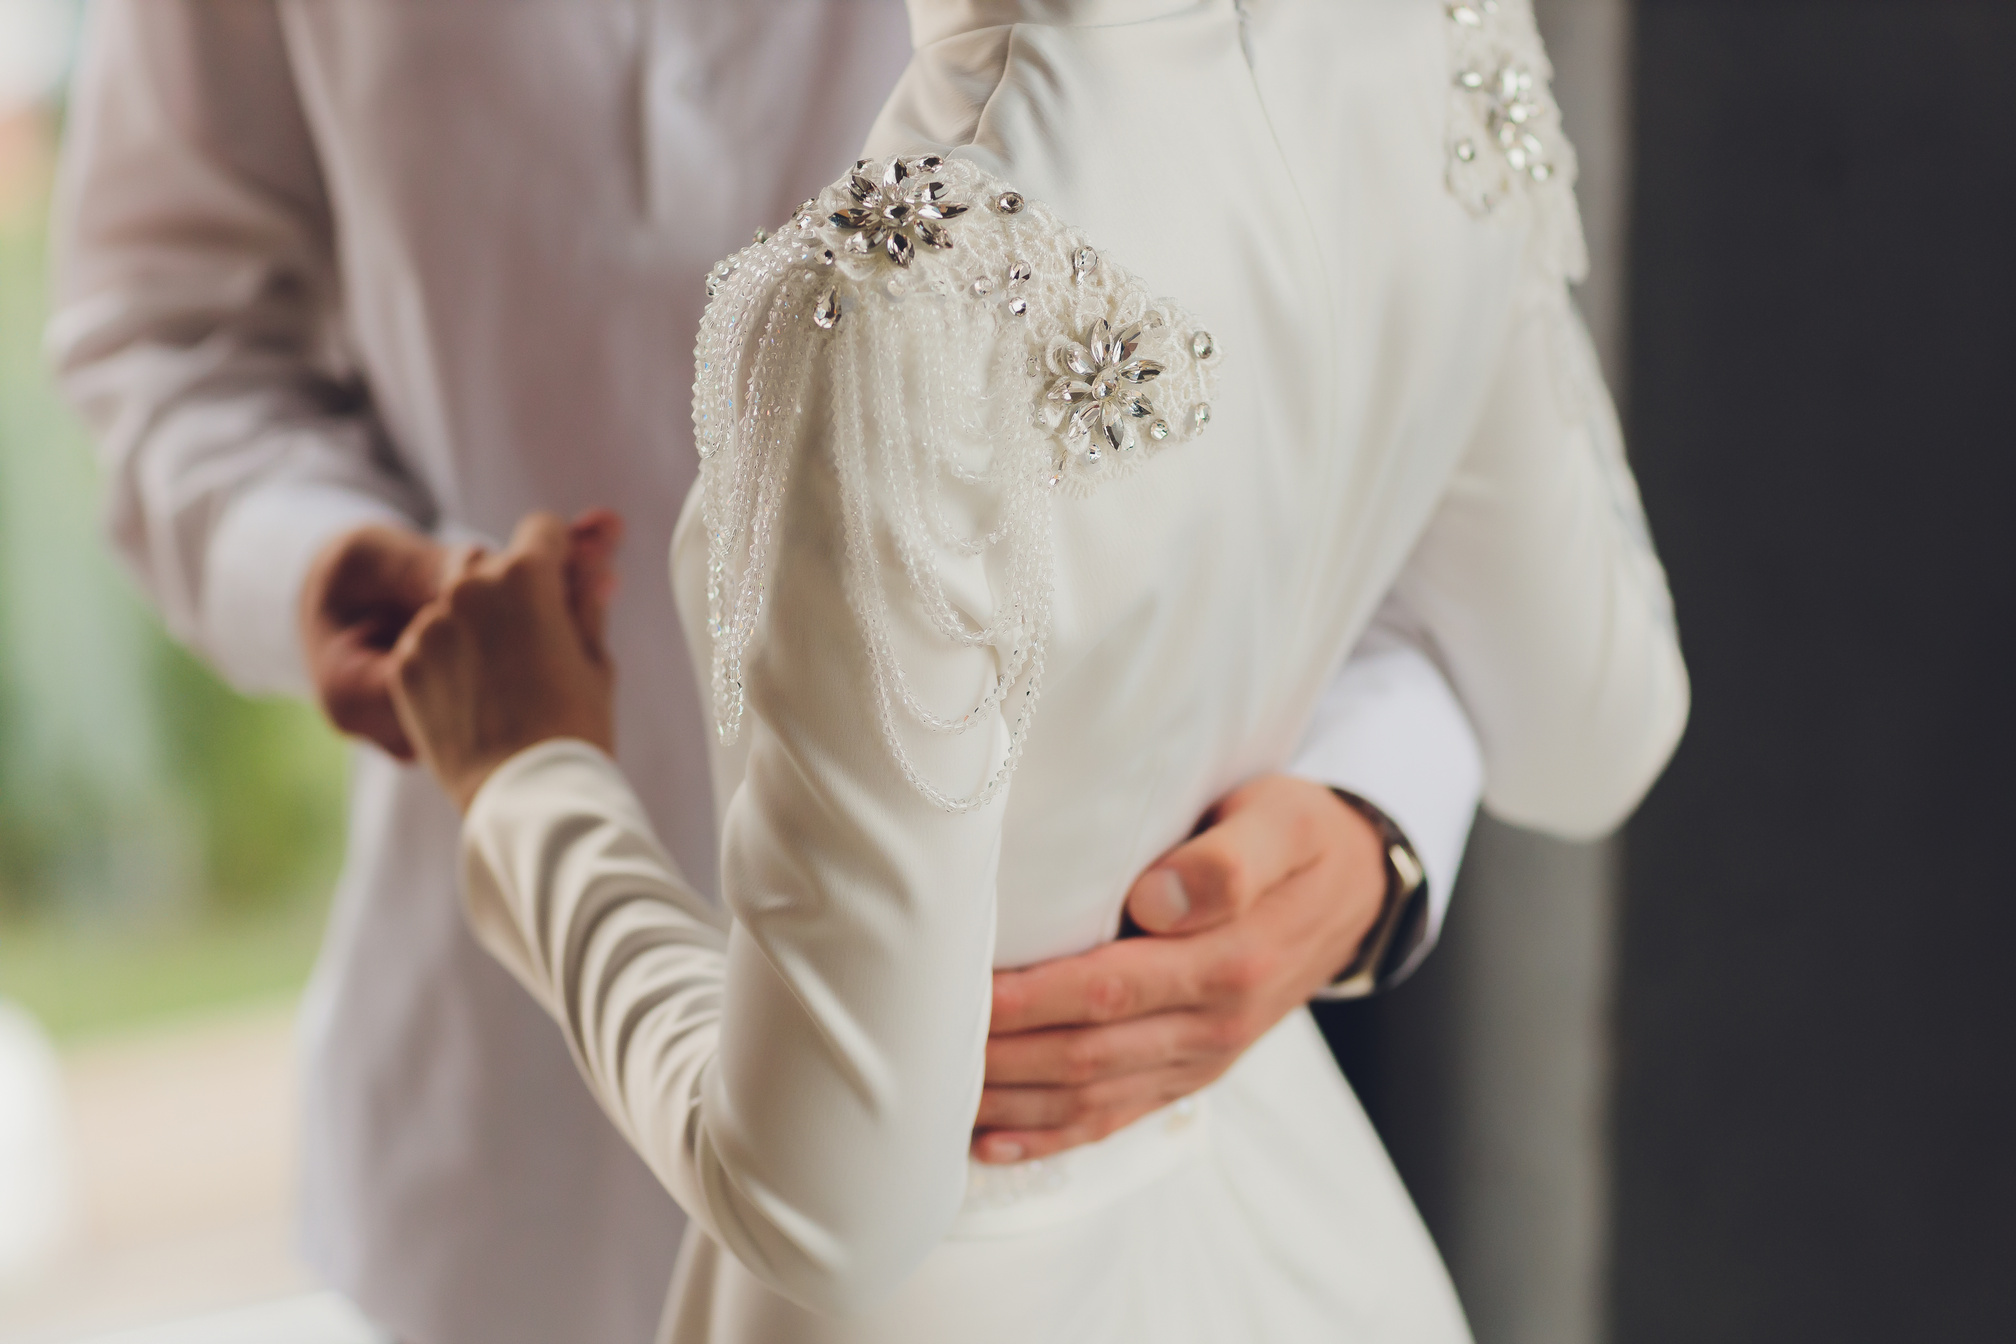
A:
(343, 285)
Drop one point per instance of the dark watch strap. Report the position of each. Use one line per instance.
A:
(1403, 917)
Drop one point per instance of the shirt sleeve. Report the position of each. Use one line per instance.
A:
(1390, 730)
(197, 327)
(1537, 591)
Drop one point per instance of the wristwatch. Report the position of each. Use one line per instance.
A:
(1403, 918)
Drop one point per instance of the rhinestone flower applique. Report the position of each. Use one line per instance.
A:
(1505, 138)
(1100, 388)
(952, 375)
(904, 210)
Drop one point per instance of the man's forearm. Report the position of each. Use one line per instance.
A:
(194, 285)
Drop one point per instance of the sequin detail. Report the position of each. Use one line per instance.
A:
(1101, 389)
(1505, 141)
(907, 208)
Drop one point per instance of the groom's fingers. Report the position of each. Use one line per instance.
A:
(1021, 1124)
(1078, 1056)
(1260, 835)
(1305, 873)
(362, 590)
(1030, 1114)
(1114, 983)
(1085, 1045)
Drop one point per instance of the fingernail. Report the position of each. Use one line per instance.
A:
(1002, 1150)
(1163, 901)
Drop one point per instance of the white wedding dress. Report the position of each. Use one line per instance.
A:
(1051, 463)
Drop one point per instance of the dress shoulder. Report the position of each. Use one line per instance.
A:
(963, 357)
(1505, 139)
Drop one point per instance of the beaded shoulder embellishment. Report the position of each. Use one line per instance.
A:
(978, 358)
(1505, 139)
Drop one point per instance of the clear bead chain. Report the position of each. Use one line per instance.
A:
(866, 582)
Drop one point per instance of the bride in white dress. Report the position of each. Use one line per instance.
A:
(1052, 461)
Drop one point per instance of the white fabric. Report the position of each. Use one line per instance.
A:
(804, 1076)
(35, 1160)
(439, 263)
(1404, 393)
(1359, 718)
(1391, 731)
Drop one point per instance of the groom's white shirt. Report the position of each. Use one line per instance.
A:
(437, 263)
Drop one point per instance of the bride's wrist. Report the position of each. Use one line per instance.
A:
(469, 786)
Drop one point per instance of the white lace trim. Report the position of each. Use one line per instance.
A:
(980, 357)
(1505, 139)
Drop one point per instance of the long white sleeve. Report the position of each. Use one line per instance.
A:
(1537, 586)
(196, 327)
(804, 1083)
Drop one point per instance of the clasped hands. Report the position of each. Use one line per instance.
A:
(463, 658)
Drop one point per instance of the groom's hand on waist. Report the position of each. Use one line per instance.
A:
(1247, 920)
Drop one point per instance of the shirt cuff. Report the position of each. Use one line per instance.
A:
(1391, 731)
(257, 560)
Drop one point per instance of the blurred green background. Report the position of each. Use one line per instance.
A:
(165, 844)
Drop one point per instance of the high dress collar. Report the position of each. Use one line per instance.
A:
(935, 20)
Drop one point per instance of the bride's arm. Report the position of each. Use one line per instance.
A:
(829, 1147)
(1537, 586)
(803, 1079)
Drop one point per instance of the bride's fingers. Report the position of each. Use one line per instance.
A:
(460, 562)
(602, 527)
(423, 684)
(532, 576)
(541, 538)
(593, 539)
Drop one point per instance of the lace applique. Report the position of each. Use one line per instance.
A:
(1505, 136)
(981, 357)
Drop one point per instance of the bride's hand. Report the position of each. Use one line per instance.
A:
(511, 653)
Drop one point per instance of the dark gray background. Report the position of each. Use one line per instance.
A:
(1815, 1116)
